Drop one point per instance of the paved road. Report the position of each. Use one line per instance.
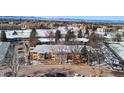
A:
(21, 52)
(69, 69)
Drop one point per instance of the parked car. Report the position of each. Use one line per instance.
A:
(20, 48)
(78, 75)
(51, 74)
(20, 43)
(21, 52)
(118, 67)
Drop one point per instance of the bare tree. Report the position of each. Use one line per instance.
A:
(61, 53)
(51, 36)
(118, 37)
(75, 50)
(13, 63)
(94, 40)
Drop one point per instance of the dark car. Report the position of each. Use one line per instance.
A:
(21, 52)
(20, 43)
(51, 74)
(20, 48)
(60, 75)
(8, 74)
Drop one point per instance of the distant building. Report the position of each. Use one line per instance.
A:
(100, 29)
(10, 27)
(17, 35)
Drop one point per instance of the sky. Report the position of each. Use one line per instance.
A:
(113, 18)
(89, 17)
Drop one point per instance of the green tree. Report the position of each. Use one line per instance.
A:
(84, 51)
(80, 34)
(3, 36)
(57, 35)
(33, 38)
(87, 31)
(70, 35)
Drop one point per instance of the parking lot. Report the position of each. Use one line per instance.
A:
(111, 60)
(22, 53)
(70, 70)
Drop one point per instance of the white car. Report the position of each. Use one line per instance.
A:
(78, 75)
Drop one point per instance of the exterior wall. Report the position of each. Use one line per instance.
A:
(100, 29)
(53, 58)
(76, 58)
(123, 29)
(41, 57)
(34, 55)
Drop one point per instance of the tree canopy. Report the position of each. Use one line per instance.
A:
(3, 36)
(80, 34)
(70, 35)
(33, 37)
(57, 35)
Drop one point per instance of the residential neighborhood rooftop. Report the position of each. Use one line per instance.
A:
(3, 50)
